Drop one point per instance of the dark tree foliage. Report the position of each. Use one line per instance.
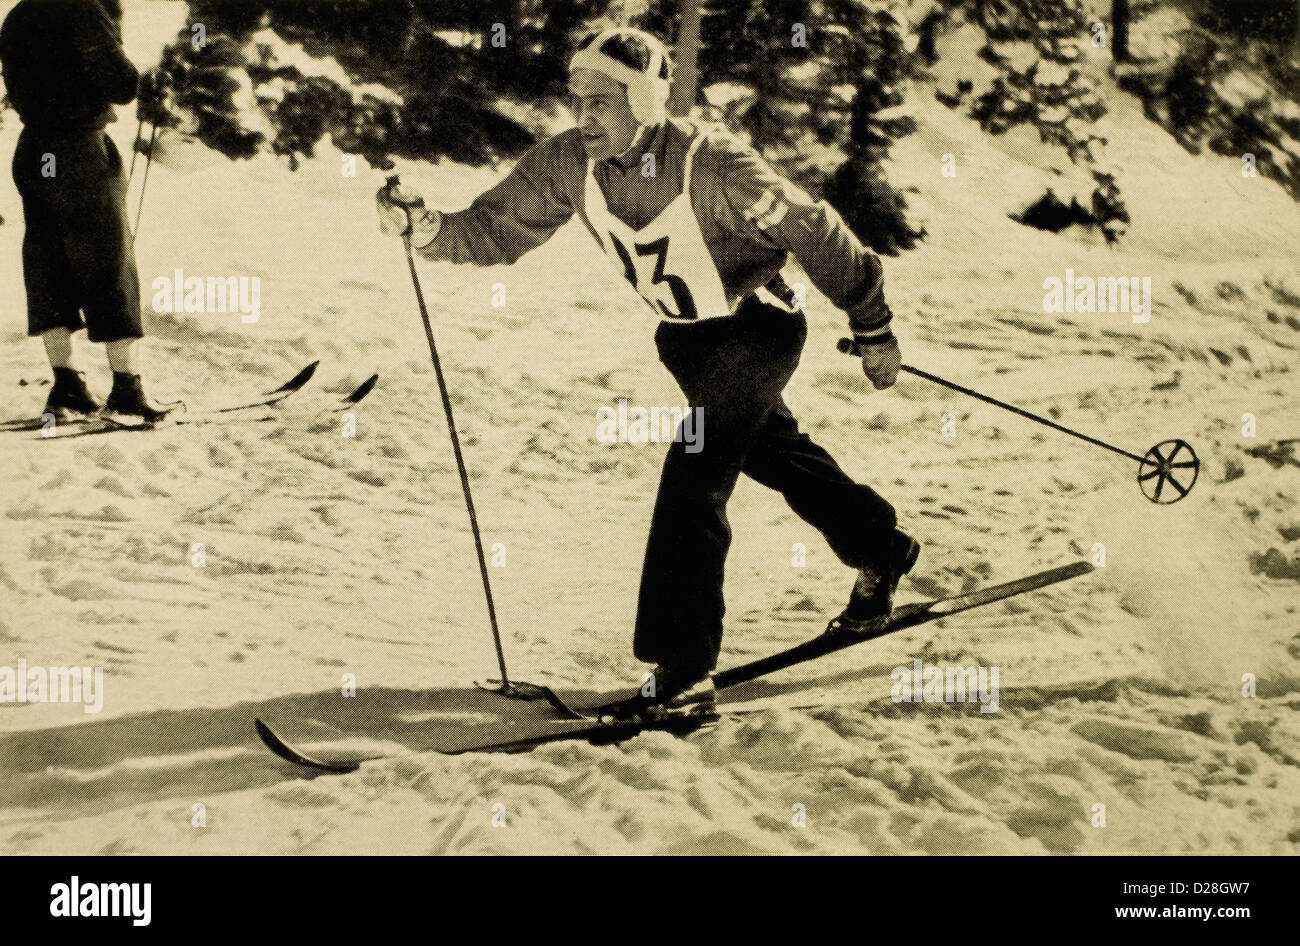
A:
(306, 114)
(852, 43)
(1260, 19)
(1050, 213)
(206, 90)
(448, 88)
(750, 44)
(1186, 95)
(545, 36)
(237, 18)
(1191, 94)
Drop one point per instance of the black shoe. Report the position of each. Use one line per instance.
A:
(69, 395)
(872, 600)
(127, 400)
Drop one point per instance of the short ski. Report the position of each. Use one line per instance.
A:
(101, 423)
(603, 724)
(226, 415)
(296, 383)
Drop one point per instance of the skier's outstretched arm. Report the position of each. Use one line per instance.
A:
(518, 214)
(754, 201)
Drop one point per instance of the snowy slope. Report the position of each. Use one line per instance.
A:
(330, 555)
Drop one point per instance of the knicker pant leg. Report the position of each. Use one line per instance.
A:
(732, 371)
(680, 606)
(102, 254)
(82, 207)
(855, 519)
(47, 275)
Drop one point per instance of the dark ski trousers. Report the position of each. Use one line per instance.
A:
(77, 253)
(734, 368)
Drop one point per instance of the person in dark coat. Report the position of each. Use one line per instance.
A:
(64, 68)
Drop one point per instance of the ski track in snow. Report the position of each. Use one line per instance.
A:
(329, 555)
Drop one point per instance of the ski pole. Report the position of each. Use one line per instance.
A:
(515, 689)
(135, 151)
(507, 687)
(1157, 464)
(144, 180)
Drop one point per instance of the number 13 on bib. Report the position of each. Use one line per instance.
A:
(667, 260)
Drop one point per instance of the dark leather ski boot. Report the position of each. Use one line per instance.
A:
(69, 397)
(127, 401)
(872, 600)
(668, 691)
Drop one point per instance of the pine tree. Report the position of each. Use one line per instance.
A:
(686, 56)
(1119, 17)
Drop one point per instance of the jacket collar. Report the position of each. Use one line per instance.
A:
(649, 140)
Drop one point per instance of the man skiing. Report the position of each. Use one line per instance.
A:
(64, 67)
(696, 235)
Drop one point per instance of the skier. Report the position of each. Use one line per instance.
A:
(697, 232)
(64, 68)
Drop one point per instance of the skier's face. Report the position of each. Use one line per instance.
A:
(600, 108)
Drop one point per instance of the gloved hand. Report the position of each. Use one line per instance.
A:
(402, 211)
(880, 359)
(152, 88)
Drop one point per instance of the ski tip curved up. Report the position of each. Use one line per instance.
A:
(298, 380)
(364, 388)
(280, 747)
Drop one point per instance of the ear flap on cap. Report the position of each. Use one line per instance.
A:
(647, 93)
(655, 91)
